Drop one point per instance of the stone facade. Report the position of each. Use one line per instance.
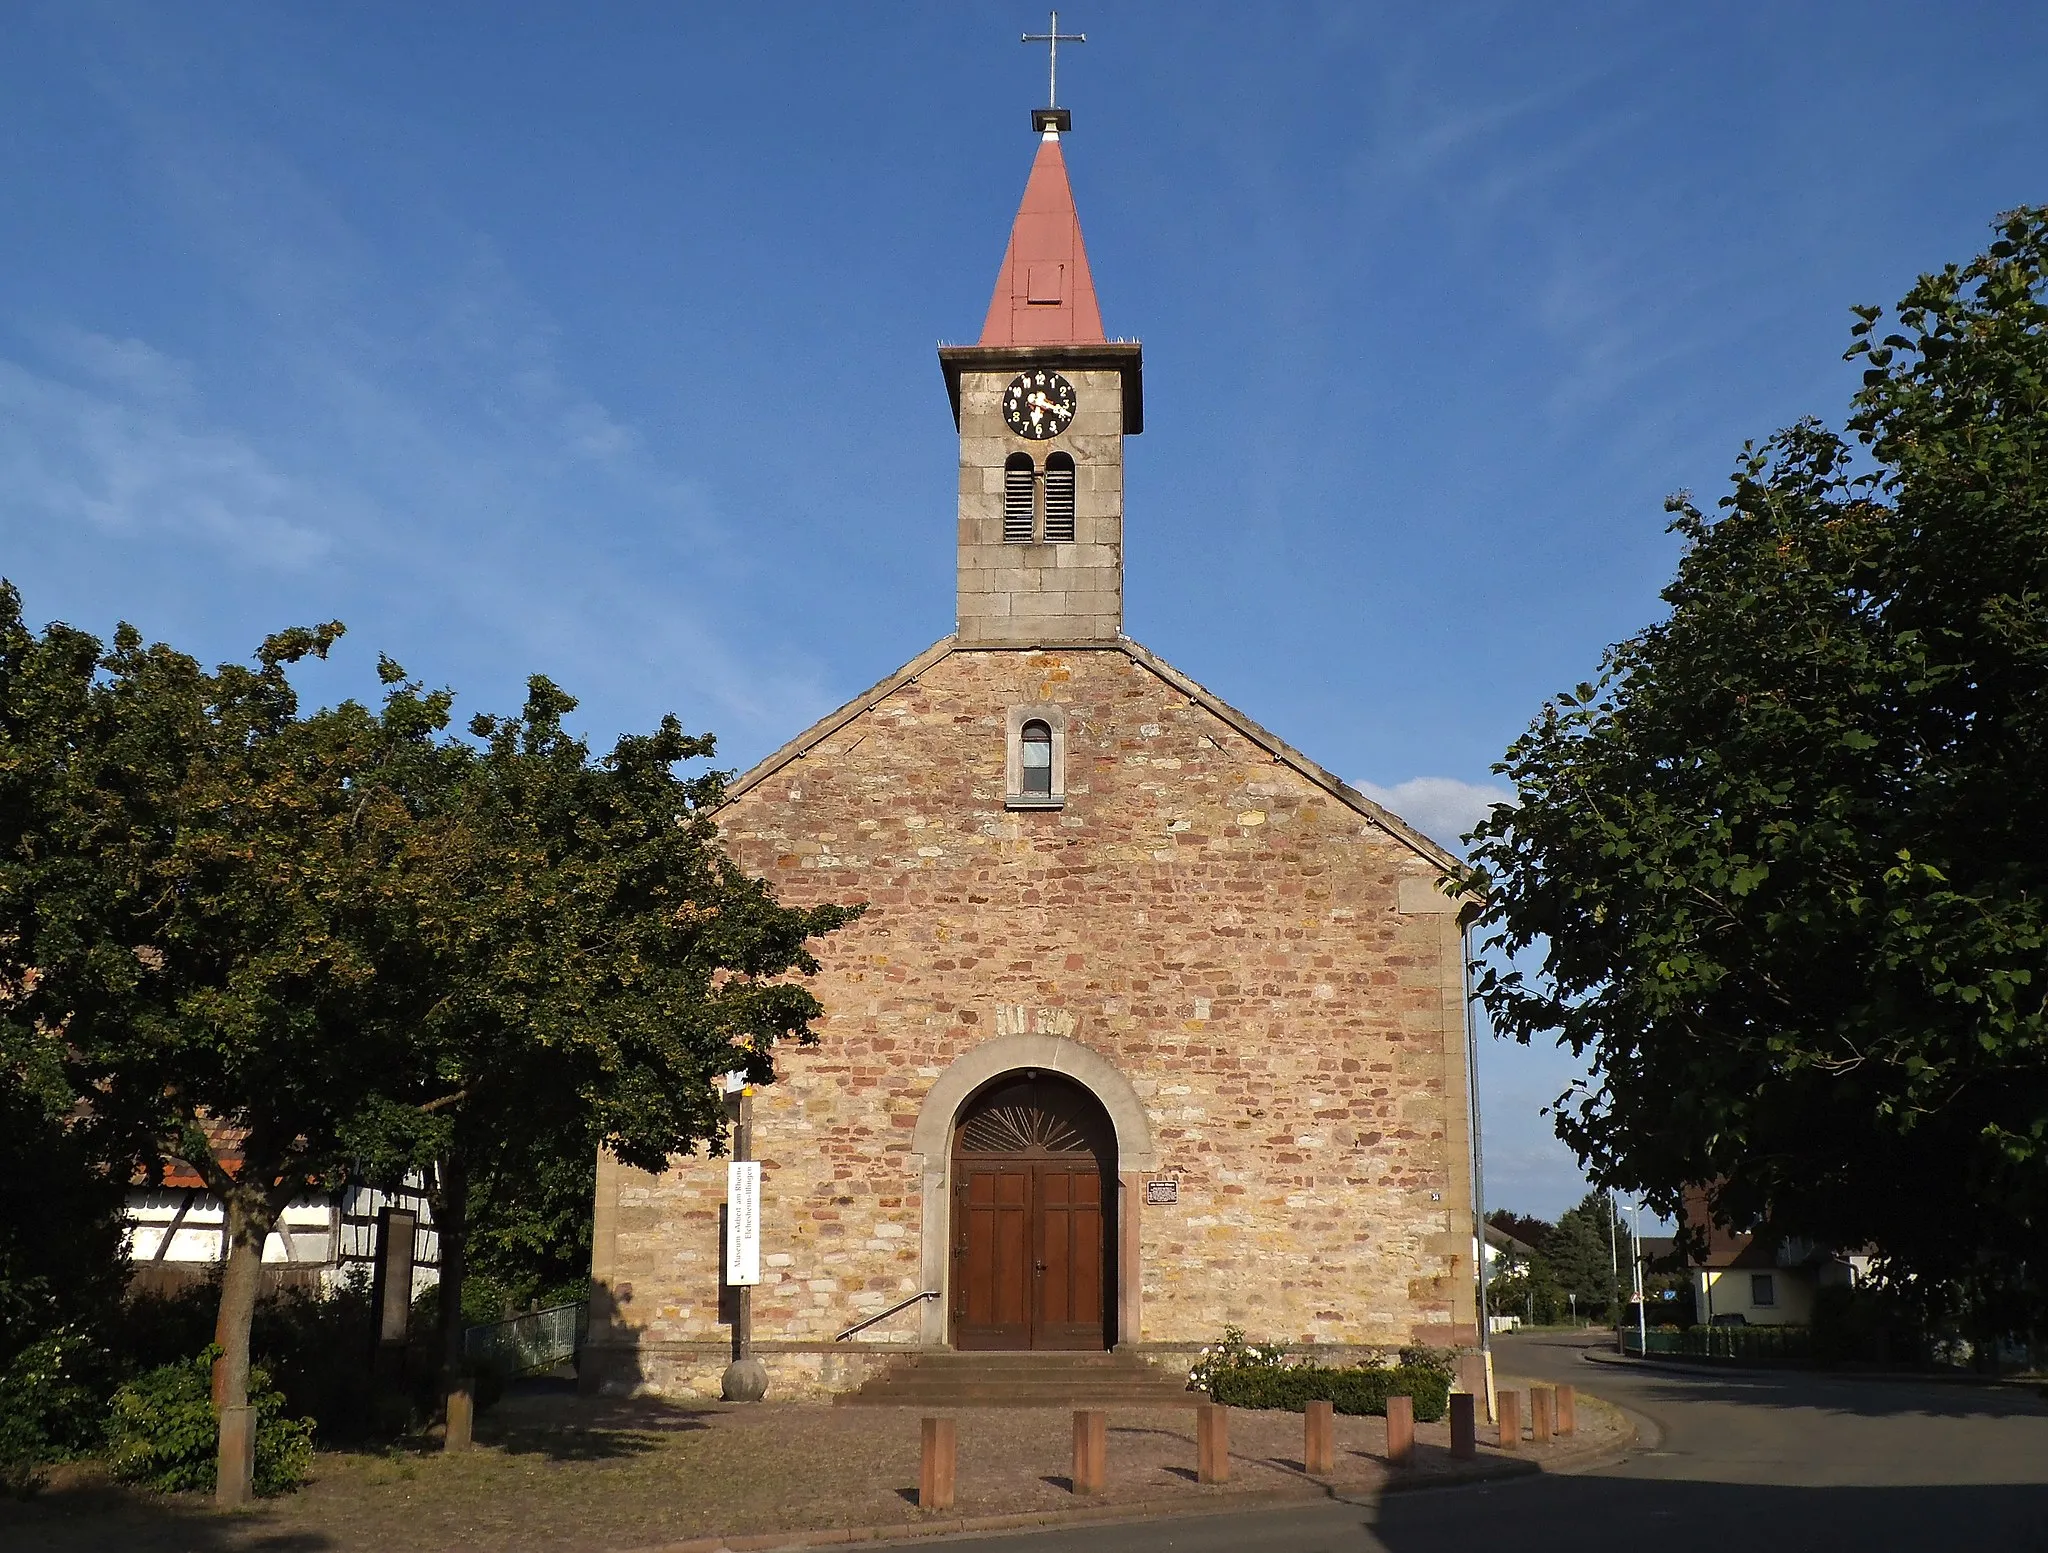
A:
(1244, 961)
(1041, 593)
(1247, 961)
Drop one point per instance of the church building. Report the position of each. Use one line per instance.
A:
(1151, 1026)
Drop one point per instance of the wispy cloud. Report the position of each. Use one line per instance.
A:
(399, 435)
(1444, 808)
(120, 442)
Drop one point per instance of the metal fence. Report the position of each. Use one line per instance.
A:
(1724, 1342)
(528, 1344)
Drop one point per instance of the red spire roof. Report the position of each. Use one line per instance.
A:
(1044, 295)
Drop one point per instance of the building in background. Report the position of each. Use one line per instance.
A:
(177, 1235)
(1746, 1280)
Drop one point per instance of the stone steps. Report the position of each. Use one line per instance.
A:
(948, 1379)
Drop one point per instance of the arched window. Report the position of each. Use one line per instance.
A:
(1019, 476)
(1059, 498)
(1035, 756)
(1036, 748)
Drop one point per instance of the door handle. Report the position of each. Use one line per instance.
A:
(1039, 1265)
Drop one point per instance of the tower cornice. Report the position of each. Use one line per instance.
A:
(1125, 357)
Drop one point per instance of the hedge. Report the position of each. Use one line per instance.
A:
(1292, 1387)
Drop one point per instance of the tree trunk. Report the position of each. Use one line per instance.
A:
(249, 1220)
(451, 1224)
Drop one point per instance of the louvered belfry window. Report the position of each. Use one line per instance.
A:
(1036, 748)
(1018, 478)
(1059, 499)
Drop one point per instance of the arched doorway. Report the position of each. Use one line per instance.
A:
(1034, 1195)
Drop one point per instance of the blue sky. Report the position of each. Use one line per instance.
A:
(598, 341)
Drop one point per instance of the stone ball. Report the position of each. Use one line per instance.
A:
(746, 1380)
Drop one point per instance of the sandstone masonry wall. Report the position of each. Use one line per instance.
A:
(1273, 972)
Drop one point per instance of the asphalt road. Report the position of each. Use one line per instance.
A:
(1727, 1462)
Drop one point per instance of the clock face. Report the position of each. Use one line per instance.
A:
(1039, 404)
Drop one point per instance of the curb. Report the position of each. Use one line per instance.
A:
(1496, 1470)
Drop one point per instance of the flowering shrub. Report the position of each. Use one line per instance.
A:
(1233, 1353)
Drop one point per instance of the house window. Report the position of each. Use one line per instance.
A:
(1763, 1289)
(1020, 478)
(1036, 761)
(1059, 498)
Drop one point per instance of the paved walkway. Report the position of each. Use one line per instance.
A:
(560, 1474)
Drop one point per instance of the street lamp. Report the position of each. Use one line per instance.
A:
(1635, 1225)
(1614, 1272)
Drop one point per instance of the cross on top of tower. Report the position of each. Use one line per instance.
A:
(1052, 39)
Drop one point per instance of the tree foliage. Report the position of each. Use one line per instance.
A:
(203, 895)
(1784, 863)
(62, 1257)
(594, 961)
(1529, 1290)
(1525, 1227)
(1582, 1255)
(161, 1428)
(282, 946)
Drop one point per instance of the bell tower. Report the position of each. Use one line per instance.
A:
(1043, 401)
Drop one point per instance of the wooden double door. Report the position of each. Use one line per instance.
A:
(1033, 1167)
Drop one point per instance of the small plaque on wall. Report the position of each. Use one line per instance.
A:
(1162, 1191)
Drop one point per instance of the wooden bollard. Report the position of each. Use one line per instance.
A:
(1464, 1432)
(236, 1484)
(1567, 1410)
(461, 1415)
(1319, 1439)
(935, 1472)
(1091, 1450)
(1212, 1443)
(1400, 1431)
(1542, 1414)
(1510, 1405)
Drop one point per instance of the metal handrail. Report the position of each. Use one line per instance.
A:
(532, 1341)
(862, 1326)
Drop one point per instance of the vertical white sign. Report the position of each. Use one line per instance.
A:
(743, 1222)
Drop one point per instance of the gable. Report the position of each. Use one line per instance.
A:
(1385, 820)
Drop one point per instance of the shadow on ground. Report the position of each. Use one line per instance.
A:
(551, 1420)
(1555, 1515)
(81, 1512)
(1831, 1391)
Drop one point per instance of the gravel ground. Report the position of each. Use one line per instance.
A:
(560, 1474)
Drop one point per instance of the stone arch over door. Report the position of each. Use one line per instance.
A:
(971, 1072)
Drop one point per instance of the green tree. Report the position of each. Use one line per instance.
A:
(597, 961)
(529, 1220)
(1583, 1256)
(62, 1259)
(1783, 865)
(273, 945)
(1527, 1228)
(1530, 1290)
(199, 889)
